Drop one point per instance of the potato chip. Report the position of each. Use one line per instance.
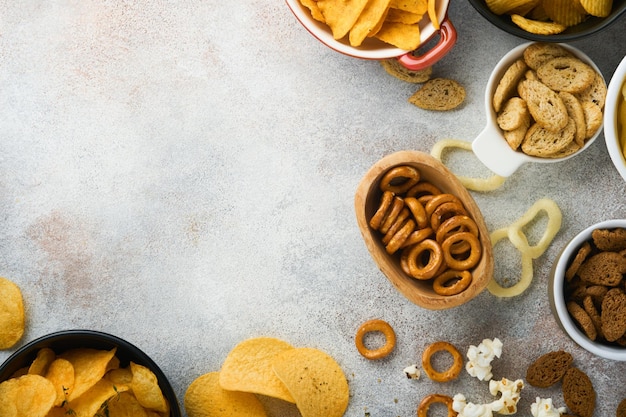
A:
(315, 380)
(526, 8)
(316, 13)
(432, 14)
(146, 388)
(26, 396)
(504, 6)
(12, 321)
(369, 19)
(419, 7)
(125, 405)
(44, 358)
(400, 35)
(402, 16)
(248, 368)
(93, 400)
(565, 12)
(599, 8)
(537, 27)
(120, 376)
(89, 365)
(341, 15)
(206, 398)
(61, 374)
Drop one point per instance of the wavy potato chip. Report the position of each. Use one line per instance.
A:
(61, 374)
(248, 368)
(89, 365)
(206, 398)
(537, 27)
(12, 320)
(315, 380)
(26, 396)
(599, 8)
(145, 386)
(565, 12)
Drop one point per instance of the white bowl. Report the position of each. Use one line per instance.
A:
(490, 146)
(611, 113)
(557, 296)
(375, 49)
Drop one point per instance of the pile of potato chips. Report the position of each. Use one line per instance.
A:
(549, 17)
(395, 22)
(267, 366)
(82, 383)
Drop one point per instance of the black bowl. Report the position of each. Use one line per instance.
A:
(587, 28)
(70, 339)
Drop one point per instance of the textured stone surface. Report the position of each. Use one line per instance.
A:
(182, 175)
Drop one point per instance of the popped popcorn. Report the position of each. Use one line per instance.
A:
(465, 409)
(510, 394)
(543, 407)
(480, 358)
(412, 372)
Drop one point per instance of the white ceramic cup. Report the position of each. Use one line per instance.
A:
(490, 147)
(614, 97)
(375, 49)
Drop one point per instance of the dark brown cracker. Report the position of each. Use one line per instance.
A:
(578, 392)
(581, 255)
(604, 268)
(613, 314)
(582, 318)
(549, 368)
(594, 315)
(621, 409)
(613, 240)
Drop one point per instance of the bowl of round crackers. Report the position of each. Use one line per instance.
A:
(380, 29)
(84, 372)
(615, 119)
(551, 20)
(424, 230)
(544, 103)
(586, 289)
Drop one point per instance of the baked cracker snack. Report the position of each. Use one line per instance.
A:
(578, 392)
(580, 257)
(613, 316)
(545, 105)
(439, 94)
(582, 319)
(621, 409)
(604, 268)
(567, 74)
(508, 84)
(538, 53)
(549, 368)
(613, 240)
(395, 69)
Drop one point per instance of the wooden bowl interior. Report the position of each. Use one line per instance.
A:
(367, 200)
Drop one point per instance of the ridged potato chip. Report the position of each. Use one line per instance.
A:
(599, 8)
(248, 368)
(505, 6)
(12, 320)
(565, 12)
(206, 398)
(315, 380)
(537, 27)
(26, 396)
(145, 386)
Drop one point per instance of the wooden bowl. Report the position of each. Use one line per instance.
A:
(366, 202)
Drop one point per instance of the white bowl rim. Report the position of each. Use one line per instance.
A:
(556, 287)
(611, 137)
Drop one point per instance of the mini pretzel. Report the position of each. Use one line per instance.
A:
(417, 236)
(449, 374)
(437, 200)
(474, 254)
(396, 207)
(422, 410)
(400, 237)
(422, 188)
(407, 177)
(375, 325)
(418, 269)
(417, 210)
(397, 224)
(461, 223)
(452, 282)
(445, 211)
(381, 212)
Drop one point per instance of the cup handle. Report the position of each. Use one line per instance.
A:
(447, 33)
(495, 153)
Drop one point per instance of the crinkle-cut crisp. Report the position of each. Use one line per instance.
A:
(549, 368)
(604, 268)
(613, 240)
(613, 314)
(578, 392)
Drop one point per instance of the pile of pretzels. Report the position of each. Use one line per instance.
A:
(437, 239)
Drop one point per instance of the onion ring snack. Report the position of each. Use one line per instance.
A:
(375, 325)
(449, 374)
(422, 409)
